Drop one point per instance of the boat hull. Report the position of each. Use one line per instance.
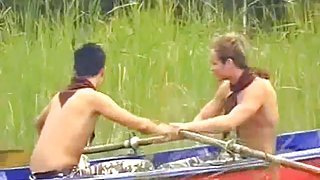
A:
(297, 146)
(282, 173)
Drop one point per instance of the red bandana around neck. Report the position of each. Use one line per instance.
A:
(244, 81)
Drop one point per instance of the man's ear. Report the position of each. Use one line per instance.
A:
(230, 61)
(102, 71)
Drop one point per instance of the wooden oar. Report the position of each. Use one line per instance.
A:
(134, 142)
(240, 149)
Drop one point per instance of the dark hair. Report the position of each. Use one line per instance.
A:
(232, 46)
(88, 60)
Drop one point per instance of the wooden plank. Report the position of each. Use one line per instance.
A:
(14, 158)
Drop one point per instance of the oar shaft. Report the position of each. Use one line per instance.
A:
(132, 143)
(236, 148)
(152, 140)
(275, 159)
(103, 148)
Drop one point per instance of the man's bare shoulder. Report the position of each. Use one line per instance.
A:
(264, 83)
(260, 86)
(96, 96)
(87, 92)
(257, 84)
(89, 95)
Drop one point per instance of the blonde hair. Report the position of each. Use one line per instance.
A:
(234, 46)
(231, 46)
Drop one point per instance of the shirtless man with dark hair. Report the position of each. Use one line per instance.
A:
(68, 121)
(245, 101)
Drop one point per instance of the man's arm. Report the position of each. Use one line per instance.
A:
(41, 118)
(109, 109)
(252, 100)
(215, 106)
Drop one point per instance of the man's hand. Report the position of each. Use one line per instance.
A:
(180, 126)
(172, 132)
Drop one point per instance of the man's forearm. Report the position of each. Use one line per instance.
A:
(148, 126)
(198, 117)
(214, 125)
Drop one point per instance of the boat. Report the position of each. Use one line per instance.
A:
(300, 146)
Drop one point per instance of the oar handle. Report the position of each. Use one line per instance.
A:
(236, 148)
(134, 142)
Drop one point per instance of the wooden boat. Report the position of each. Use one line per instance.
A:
(303, 146)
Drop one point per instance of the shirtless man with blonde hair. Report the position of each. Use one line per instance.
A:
(68, 121)
(245, 101)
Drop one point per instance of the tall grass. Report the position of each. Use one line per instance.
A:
(156, 66)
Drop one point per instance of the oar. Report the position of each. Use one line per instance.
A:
(134, 142)
(240, 149)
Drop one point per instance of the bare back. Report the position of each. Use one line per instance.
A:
(65, 133)
(65, 130)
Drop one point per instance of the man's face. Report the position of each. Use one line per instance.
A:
(219, 69)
